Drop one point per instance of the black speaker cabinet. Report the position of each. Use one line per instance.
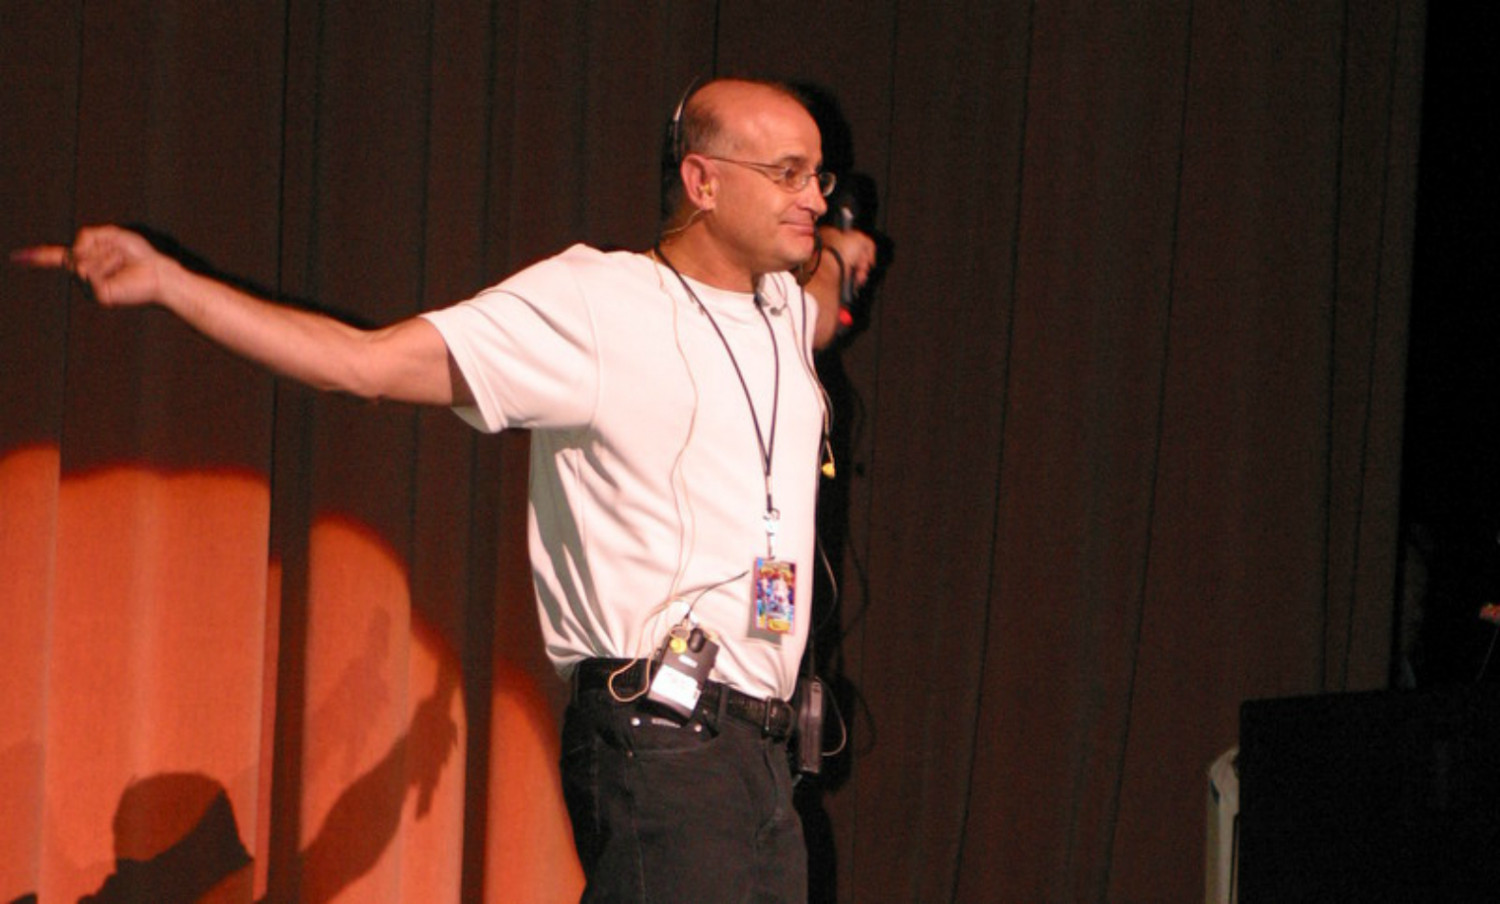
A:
(1371, 797)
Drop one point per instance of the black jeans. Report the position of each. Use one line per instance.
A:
(662, 812)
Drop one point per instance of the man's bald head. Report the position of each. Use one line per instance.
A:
(714, 119)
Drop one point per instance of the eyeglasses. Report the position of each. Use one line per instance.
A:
(788, 177)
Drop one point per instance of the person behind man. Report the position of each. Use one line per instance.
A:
(677, 429)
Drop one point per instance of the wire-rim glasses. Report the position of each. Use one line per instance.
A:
(788, 177)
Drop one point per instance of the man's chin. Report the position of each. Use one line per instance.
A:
(801, 253)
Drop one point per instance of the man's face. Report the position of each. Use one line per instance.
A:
(757, 220)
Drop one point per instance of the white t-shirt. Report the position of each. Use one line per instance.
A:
(648, 488)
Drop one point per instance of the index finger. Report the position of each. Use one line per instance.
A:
(40, 256)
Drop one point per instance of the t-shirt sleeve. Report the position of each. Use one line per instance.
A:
(527, 349)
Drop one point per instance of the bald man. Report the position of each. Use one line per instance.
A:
(677, 427)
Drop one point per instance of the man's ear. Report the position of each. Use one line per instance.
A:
(700, 182)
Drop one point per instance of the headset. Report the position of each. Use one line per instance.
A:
(675, 140)
(673, 150)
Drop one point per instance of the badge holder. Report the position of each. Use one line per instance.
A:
(774, 588)
(775, 591)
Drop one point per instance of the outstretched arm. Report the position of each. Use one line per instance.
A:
(406, 362)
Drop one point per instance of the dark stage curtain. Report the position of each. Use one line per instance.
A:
(1119, 439)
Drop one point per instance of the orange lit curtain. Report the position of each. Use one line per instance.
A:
(1118, 450)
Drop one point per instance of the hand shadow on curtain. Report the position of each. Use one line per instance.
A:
(177, 838)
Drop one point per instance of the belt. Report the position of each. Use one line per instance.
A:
(775, 718)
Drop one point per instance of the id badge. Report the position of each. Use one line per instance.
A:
(775, 595)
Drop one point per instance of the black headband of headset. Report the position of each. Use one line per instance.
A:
(678, 151)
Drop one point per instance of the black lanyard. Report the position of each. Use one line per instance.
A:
(767, 443)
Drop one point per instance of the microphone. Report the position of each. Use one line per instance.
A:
(844, 221)
(851, 207)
